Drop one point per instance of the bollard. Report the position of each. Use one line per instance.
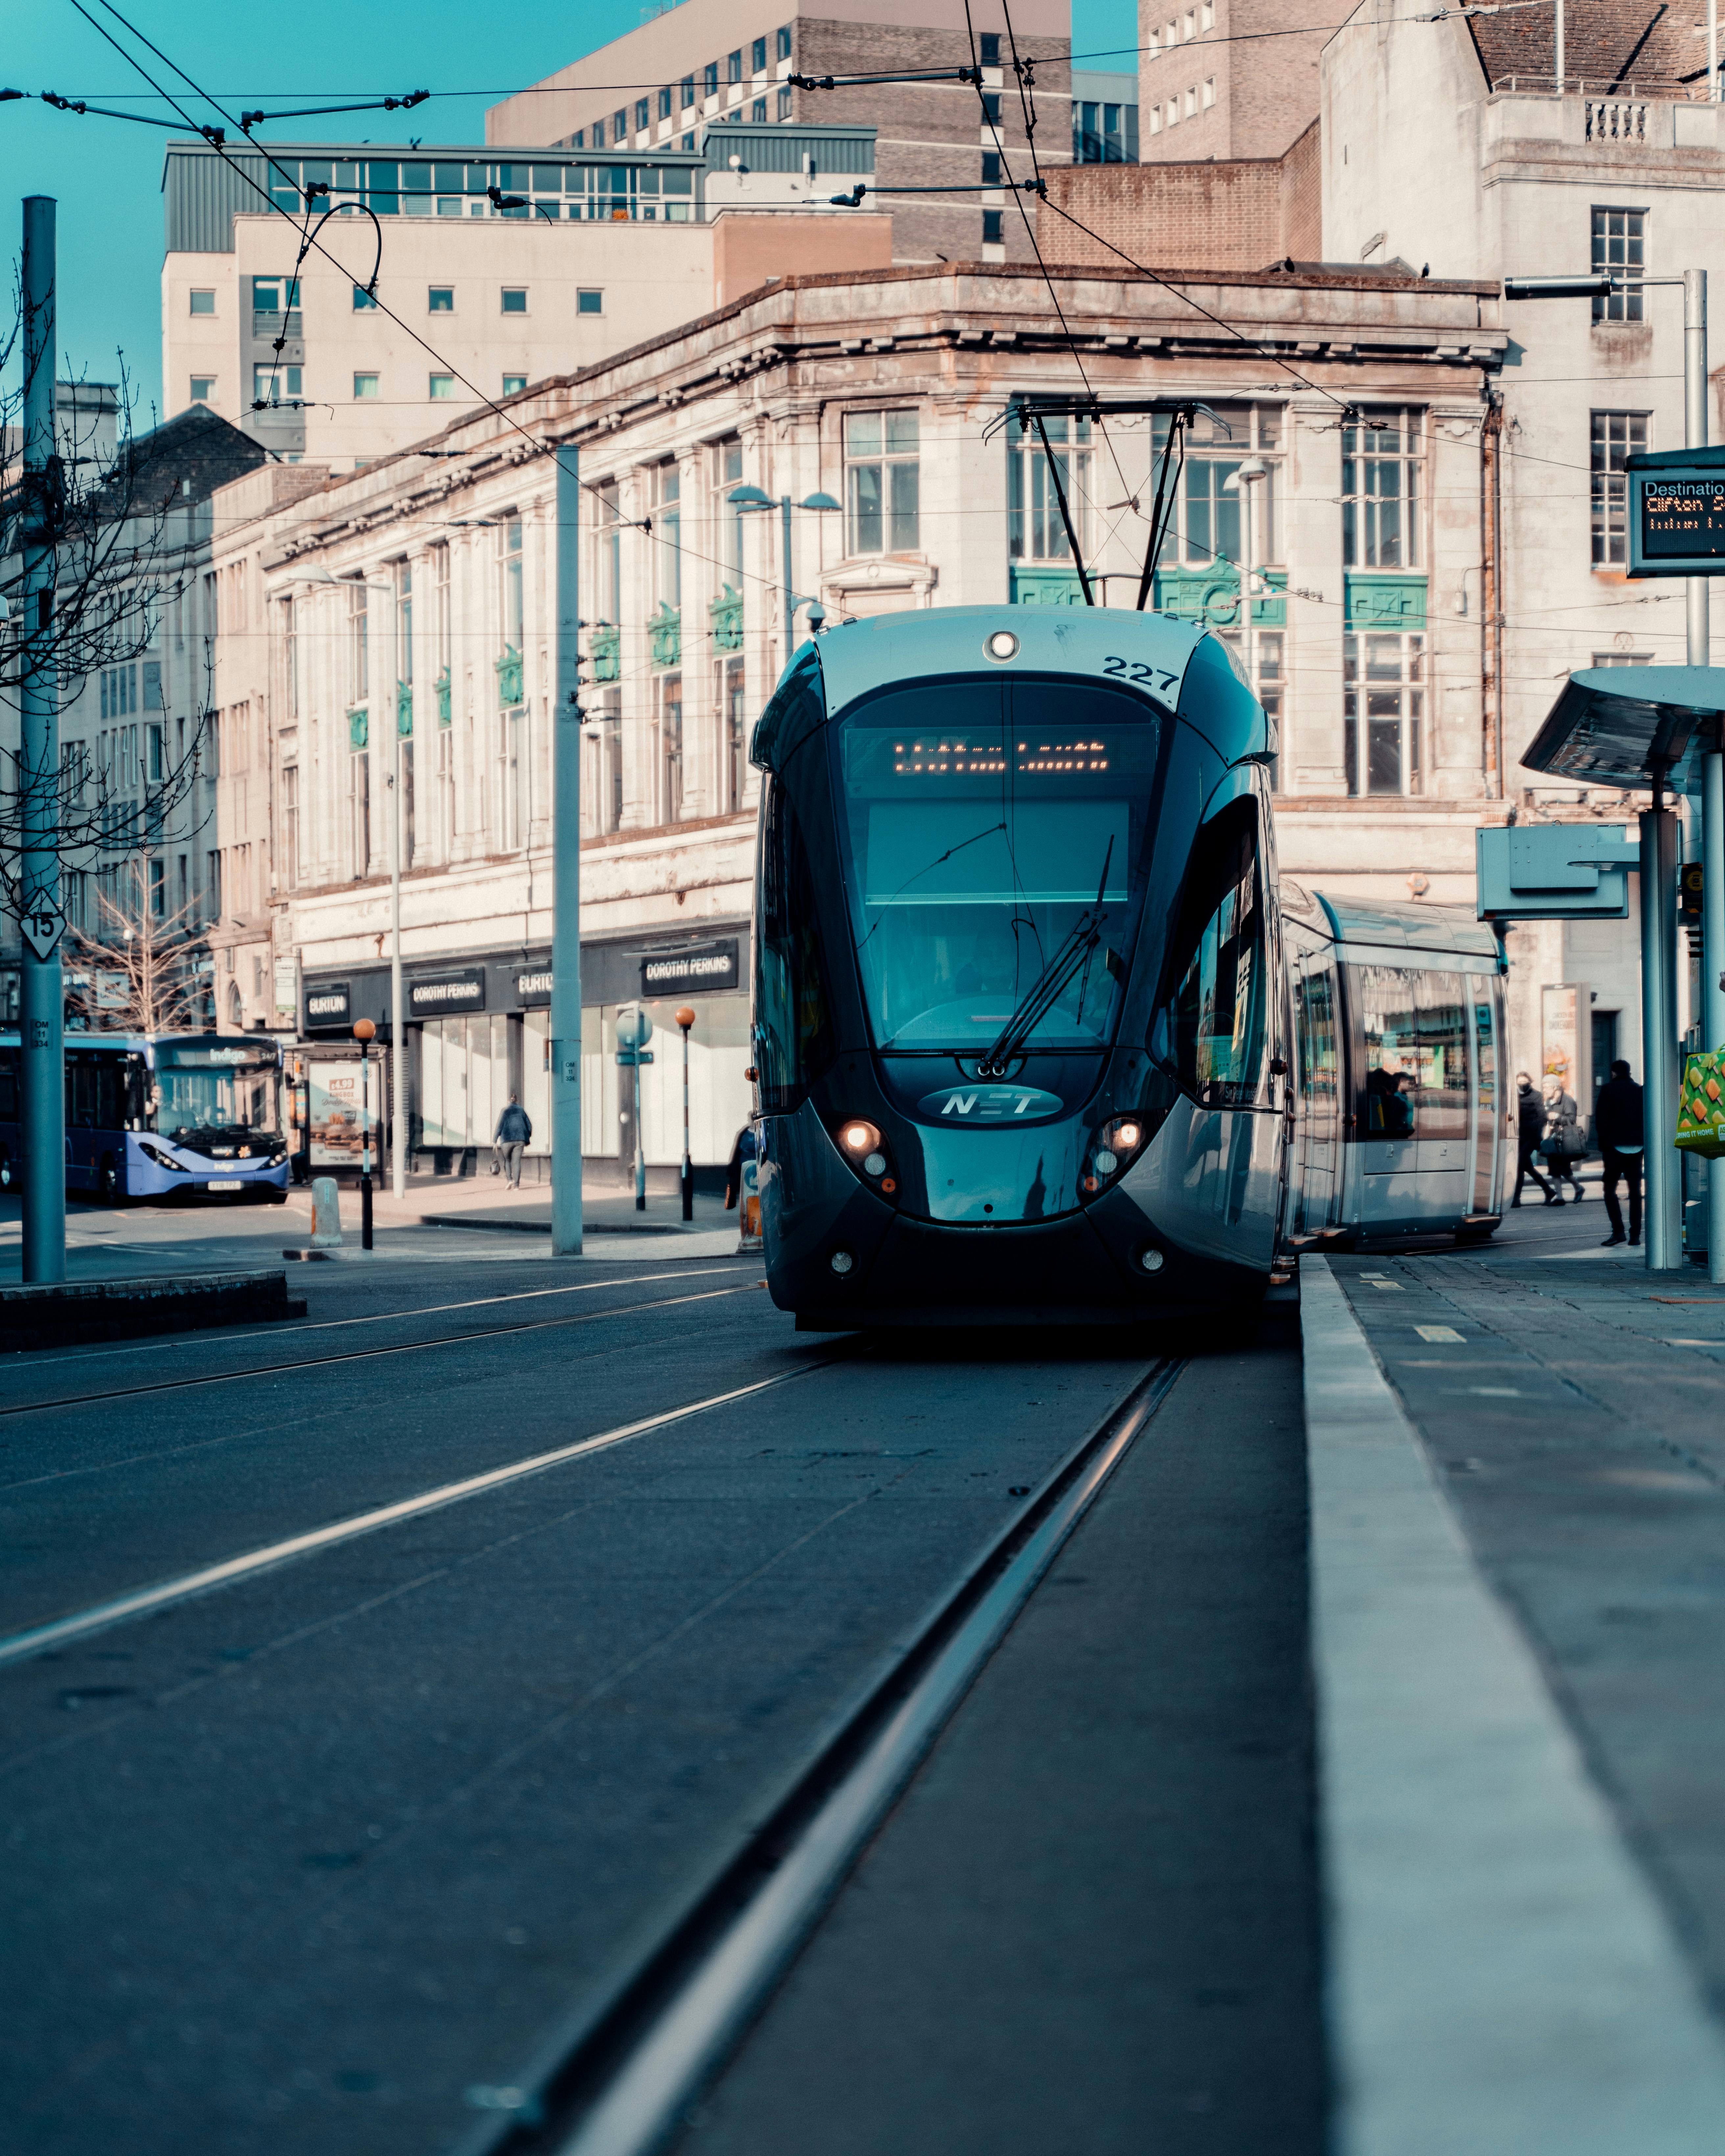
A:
(325, 1213)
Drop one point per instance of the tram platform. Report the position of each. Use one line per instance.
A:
(1517, 1465)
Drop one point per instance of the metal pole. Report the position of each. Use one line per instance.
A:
(365, 1146)
(640, 1143)
(688, 1175)
(1711, 1012)
(790, 588)
(1560, 48)
(1713, 51)
(42, 1015)
(397, 1029)
(1695, 433)
(566, 871)
(1662, 1216)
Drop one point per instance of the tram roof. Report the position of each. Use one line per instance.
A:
(861, 656)
(1442, 929)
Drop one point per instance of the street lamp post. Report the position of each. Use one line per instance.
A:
(685, 1018)
(1246, 479)
(1663, 1209)
(364, 1032)
(755, 498)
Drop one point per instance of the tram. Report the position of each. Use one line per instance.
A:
(162, 1115)
(1025, 1032)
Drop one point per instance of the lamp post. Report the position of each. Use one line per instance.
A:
(398, 1061)
(1663, 1209)
(754, 498)
(364, 1032)
(1245, 481)
(685, 1018)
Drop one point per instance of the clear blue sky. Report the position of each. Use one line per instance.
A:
(107, 174)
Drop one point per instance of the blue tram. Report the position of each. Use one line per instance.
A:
(1024, 1037)
(162, 1115)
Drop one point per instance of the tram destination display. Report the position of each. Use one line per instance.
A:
(1676, 513)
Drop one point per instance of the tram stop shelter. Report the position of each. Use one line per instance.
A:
(1658, 728)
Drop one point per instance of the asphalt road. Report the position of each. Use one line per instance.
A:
(316, 1860)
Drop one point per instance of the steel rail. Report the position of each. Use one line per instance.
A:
(614, 2082)
(144, 1601)
(372, 1354)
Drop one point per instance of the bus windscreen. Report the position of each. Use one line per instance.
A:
(206, 1093)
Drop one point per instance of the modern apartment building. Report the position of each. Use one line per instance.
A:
(456, 277)
(409, 606)
(1229, 79)
(1104, 117)
(712, 63)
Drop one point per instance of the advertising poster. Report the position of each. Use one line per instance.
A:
(333, 1111)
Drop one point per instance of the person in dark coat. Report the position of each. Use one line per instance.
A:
(513, 1131)
(744, 1149)
(1530, 1128)
(1617, 1127)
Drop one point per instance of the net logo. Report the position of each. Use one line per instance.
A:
(990, 1103)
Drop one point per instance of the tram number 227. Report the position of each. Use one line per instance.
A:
(1136, 669)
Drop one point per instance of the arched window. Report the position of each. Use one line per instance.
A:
(236, 1006)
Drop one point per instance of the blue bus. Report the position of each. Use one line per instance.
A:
(176, 1115)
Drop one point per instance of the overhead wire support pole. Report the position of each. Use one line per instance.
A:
(566, 1165)
(1053, 476)
(397, 1014)
(1711, 1012)
(42, 1016)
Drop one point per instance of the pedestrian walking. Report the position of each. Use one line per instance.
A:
(1562, 1145)
(513, 1129)
(1530, 1126)
(1617, 1126)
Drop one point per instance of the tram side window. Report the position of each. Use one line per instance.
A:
(1219, 967)
(1390, 1027)
(1442, 1020)
(1318, 1071)
(793, 1026)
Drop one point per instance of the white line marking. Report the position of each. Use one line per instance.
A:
(1442, 1333)
(20, 1646)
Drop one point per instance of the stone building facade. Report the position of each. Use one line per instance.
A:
(409, 603)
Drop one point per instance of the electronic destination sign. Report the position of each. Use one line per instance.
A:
(1676, 513)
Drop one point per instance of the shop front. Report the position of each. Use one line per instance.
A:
(480, 1030)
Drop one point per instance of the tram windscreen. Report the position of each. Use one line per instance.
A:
(996, 837)
(209, 1092)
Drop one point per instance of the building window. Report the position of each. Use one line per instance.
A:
(733, 66)
(667, 536)
(364, 386)
(204, 388)
(757, 112)
(513, 384)
(991, 107)
(1382, 704)
(441, 388)
(1207, 523)
(1210, 92)
(881, 482)
(363, 303)
(1380, 489)
(665, 103)
(213, 883)
(275, 296)
(988, 49)
(619, 128)
(685, 93)
(1156, 119)
(511, 589)
(440, 299)
(727, 518)
(784, 104)
(1620, 246)
(1191, 103)
(710, 78)
(993, 229)
(289, 829)
(671, 748)
(598, 134)
(359, 657)
(1616, 435)
(512, 778)
(644, 114)
(608, 554)
(589, 301)
(274, 385)
(359, 814)
(1207, 14)
(734, 708)
(1035, 531)
(515, 299)
(1623, 659)
(991, 168)
(783, 42)
(203, 302)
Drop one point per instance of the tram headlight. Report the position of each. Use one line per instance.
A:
(860, 1140)
(842, 1262)
(1116, 1142)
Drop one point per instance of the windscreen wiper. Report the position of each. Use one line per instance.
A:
(1046, 990)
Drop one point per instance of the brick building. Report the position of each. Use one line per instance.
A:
(1229, 79)
(710, 62)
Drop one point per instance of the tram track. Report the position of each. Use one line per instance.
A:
(371, 1354)
(49, 1637)
(614, 2079)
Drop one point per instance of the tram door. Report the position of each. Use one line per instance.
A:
(1383, 1109)
(1487, 1095)
(1318, 1142)
(1445, 1148)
